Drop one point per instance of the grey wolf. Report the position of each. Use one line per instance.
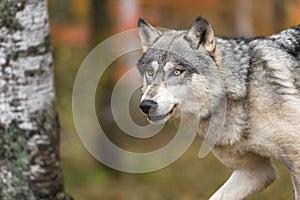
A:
(260, 81)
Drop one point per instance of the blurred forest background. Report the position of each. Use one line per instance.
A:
(79, 25)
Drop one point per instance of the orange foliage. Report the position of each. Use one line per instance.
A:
(69, 34)
(294, 13)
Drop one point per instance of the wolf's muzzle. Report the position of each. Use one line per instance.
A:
(148, 106)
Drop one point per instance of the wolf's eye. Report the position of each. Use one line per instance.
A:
(150, 72)
(177, 72)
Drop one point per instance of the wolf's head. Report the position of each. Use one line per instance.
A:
(179, 70)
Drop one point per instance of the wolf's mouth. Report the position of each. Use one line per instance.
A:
(158, 118)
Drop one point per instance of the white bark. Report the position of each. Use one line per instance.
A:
(21, 94)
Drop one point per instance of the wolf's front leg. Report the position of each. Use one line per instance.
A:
(296, 184)
(252, 174)
(295, 174)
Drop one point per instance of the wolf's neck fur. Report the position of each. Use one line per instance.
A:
(233, 59)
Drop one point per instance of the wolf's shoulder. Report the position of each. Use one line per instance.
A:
(289, 39)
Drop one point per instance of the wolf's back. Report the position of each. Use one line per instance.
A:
(289, 40)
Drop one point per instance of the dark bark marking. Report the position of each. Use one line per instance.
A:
(40, 49)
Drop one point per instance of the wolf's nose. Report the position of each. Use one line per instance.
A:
(148, 105)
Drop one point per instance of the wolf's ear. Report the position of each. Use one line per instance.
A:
(201, 33)
(148, 34)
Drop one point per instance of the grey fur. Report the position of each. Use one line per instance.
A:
(261, 79)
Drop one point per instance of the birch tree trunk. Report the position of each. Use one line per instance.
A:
(29, 130)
